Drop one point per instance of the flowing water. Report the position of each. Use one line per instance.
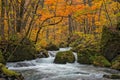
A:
(45, 69)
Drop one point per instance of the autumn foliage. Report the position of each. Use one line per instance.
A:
(55, 20)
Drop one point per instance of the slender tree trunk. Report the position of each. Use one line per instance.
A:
(19, 15)
(108, 16)
(2, 19)
(47, 34)
(70, 23)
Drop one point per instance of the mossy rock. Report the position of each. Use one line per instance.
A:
(52, 47)
(10, 73)
(84, 57)
(89, 56)
(100, 61)
(23, 52)
(113, 76)
(116, 63)
(42, 53)
(110, 43)
(64, 57)
(2, 60)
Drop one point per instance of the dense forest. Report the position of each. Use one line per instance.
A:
(30, 29)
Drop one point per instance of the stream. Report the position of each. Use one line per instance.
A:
(45, 69)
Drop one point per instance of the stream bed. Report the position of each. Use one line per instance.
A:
(45, 69)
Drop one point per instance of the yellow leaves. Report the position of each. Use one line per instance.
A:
(40, 44)
(98, 30)
(45, 16)
(80, 7)
(49, 2)
(93, 7)
(98, 4)
(53, 7)
(97, 23)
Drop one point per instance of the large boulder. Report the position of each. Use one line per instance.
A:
(84, 57)
(6, 74)
(100, 60)
(92, 57)
(110, 43)
(2, 60)
(21, 52)
(116, 63)
(64, 57)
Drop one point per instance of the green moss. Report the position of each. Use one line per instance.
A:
(84, 57)
(116, 63)
(92, 57)
(100, 61)
(10, 73)
(110, 43)
(23, 52)
(2, 60)
(64, 57)
(85, 42)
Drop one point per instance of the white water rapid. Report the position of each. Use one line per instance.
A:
(45, 69)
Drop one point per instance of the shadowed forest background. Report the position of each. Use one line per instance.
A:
(31, 28)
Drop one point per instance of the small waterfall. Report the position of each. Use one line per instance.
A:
(75, 54)
(52, 53)
(48, 60)
(65, 49)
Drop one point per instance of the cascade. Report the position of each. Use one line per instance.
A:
(75, 54)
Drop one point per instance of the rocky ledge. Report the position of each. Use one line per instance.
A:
(6, 74)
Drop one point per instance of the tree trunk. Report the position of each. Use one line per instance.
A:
(2, 19)
(19, 15)
(70, 24)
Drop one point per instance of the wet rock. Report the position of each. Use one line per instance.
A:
(116, 63)
(113, 76)
(81, 73)
(64, 57)
(42, 53)
(6, 74)
(24, 64)
(51, 54)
